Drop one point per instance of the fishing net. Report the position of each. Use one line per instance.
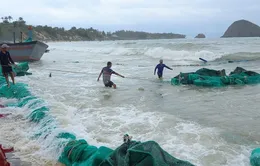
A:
(17, 91)
(142, 154)
(210, 72)
(255, 157)
(19, 70)
(217, 78)
(22, 69)
(38, 114)
(79, 153)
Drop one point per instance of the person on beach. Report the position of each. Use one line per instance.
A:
(160, 68)
(107, 72)
(6, 63)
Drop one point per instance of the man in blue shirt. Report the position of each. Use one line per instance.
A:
(107, 72)
(6, 63)
(160, 67)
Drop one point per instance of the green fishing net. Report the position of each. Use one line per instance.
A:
(19, 70)
(132, 153)
(217, 78)
(17, 91)
(255, 157)
(142, 154)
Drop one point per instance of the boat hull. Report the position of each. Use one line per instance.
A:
(28, 51)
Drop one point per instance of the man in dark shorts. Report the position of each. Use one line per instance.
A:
(160, 68)
(6, 63)
(107, 72)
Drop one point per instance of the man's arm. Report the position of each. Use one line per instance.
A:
(155, 69)
(118, 74)
(100, 75)
(168, 67)
(10, 59)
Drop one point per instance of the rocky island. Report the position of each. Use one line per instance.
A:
(242, 28)
(200, 35)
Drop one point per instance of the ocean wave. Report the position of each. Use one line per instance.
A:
(179, 52)
(240, 56)
(183, 55)
(127, 43)
(189, 46)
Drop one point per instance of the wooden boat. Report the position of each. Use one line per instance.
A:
(27, 51)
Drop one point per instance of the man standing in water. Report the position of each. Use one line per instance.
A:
(160, 67)
(6, 63)
(107, 72)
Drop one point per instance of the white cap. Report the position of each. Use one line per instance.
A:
(4, 46)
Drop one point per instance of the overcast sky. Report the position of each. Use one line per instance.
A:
(189, 17)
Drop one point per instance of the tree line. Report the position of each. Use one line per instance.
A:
(57, 34)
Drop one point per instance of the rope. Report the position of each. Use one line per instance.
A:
(137, 78)
(188, 65)
(66, 71)
(70, 151)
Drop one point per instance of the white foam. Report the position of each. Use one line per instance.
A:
(170, 54)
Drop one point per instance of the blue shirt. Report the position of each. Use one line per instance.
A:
(160, 68)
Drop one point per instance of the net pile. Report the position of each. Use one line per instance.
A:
(255, 157)
(217, 78)
(132, 153)
(20, 70)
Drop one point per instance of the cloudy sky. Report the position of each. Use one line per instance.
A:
(189, 17)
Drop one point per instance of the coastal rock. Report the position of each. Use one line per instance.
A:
(200, 35)
(242, 28)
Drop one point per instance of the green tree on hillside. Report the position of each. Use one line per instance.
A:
(73, 29)
(55, 33)
(10, 18)
(21, 21)
(5, 19)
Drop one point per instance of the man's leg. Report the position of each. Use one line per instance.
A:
(7, 79)
(12, 77)
(159, 75)
(111, 84)
(114, 86)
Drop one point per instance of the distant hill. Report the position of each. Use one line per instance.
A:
(242, 28)
(137, 35)
(47, 33)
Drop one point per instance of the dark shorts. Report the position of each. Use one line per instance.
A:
(7, 69)
(159, 75)
(109, 84)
